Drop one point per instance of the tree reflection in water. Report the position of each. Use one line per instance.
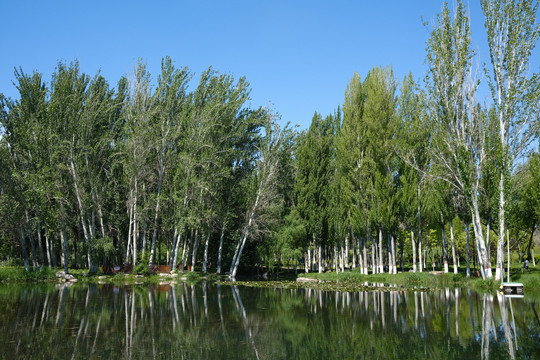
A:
(204, 321)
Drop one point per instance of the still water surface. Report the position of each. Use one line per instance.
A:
(209, 321)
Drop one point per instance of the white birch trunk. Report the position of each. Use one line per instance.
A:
(48, 249)
(135, 231)
(468, 250)
(175, 251)
(354, 248)
(194, 250)
(220, 251)
(128, 245)
(373, 264)
(184, 254)
(499, 271)
(393, 246)
(23, 247)
(335, 259)
(207, 241)
(63, 239)
(488, 240)
(485, 266)
(445, 255)
(453, 247)
(154, 235)
(413, 250)
(346, 255)
(81, 210)
(366, 268)
(380, 252)
(420, 262)
(321, 266)
(389, 246)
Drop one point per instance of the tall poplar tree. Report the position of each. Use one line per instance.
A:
(457, 124)
(512, 34)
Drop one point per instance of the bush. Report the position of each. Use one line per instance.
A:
(212, 277)
(21, 275)
(143, 269)
(193, 277)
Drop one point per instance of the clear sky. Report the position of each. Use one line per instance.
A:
(297, 55)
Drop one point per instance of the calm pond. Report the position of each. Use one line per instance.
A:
(209, 321)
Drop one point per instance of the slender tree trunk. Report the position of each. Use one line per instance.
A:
(485, 265)
(420, 261)
(307, 261)
(319, 253)
(354, 248)
(529, 245)
(48, 249)
(23, 247)
(143, 248)
(206, 242)
(194, 250)
(130, 227)
(499, 271)
(364, 250)
(335, 259)
(346, 255)
(220, 251)
(154, 235)
(445, 254)
(40, 246)
(402, 250)
(453, 247)
(488, 243)
(380, 252)
(373, 264)
(238, 253)
(468, 251)
(389, 246)
(413, 243)
(419, 230)
(171, 259)
(175, 251)
(184, 252)
(360, 258)
(81, 211)
(135, 231)
(63, 239)
(426, 250)
(95, 198)
(393, 247)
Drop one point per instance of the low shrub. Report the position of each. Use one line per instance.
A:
(18, 274)
(193, 277)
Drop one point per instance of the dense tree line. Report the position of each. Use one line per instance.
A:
(152, 172)
(141, 174)
(407, 156)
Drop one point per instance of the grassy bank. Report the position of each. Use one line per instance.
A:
(18, 275)
(331, 281)
(530, 279)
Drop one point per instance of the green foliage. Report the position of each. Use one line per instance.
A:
(20, 275)
(102, 250)
(193, 277)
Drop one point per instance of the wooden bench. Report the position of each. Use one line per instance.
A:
(114, 269)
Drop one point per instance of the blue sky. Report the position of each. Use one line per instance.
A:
(297, 55)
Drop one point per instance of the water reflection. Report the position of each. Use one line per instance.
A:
(213, 321)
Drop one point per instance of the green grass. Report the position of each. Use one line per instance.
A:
(530, 280)
(19, 275)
